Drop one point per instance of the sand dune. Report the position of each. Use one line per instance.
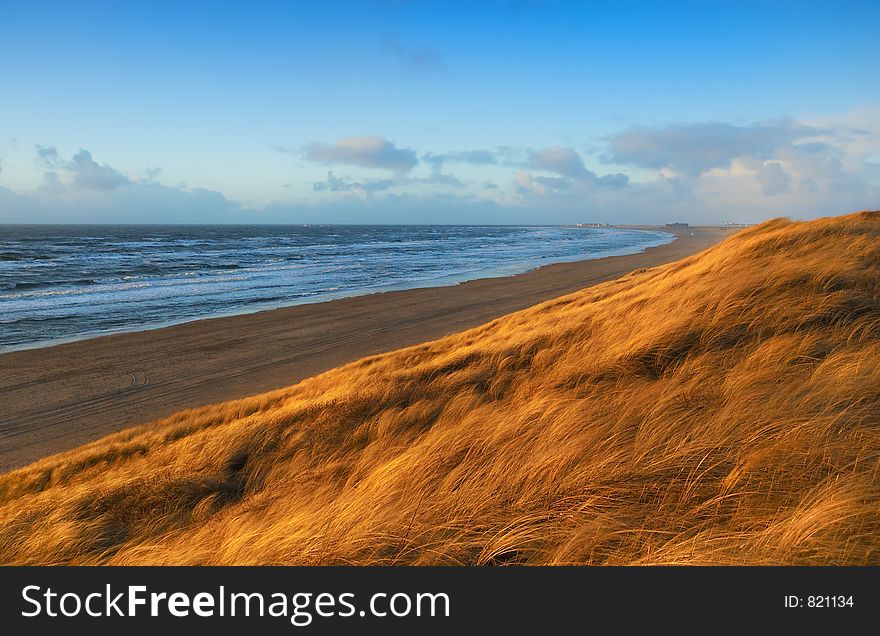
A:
(724, 408)
(58, 398)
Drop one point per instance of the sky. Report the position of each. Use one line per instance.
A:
(437, 112)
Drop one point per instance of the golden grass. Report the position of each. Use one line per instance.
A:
(721, 409)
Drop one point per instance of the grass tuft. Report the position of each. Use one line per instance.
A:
(724, 409)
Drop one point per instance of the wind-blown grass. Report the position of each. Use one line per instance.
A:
(721, 409)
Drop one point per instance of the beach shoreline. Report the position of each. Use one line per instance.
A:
(497, 271)
(64, 395)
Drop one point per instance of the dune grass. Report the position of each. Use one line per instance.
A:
(723, 409)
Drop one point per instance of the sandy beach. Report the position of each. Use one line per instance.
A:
(62, 396)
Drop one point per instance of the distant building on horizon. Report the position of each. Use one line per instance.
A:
(676, 225)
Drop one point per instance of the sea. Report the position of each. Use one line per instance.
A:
(66, 282)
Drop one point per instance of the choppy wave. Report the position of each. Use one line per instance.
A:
(61, 282)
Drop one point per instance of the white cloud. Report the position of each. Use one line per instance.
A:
(569, 165)
(473, 157)
(366, 152)
(82, 190)
(366, 187)
(563, 161)
(705, 173)
(695, 148)
(772, 177)
(90, 175)
(346, 184)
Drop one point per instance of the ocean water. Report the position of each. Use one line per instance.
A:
(70, 281)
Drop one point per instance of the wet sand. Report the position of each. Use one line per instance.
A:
(59, 397)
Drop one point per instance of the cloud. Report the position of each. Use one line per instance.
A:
(135, 203)
(366, 152)
(772, 177)
(367, 187)
(425, 59)
(81, 171)
(82, 190)
(567, 163)
(346, 184)
(695, 148)
(705, 173)
(473, 157)
(47, 156)
(563, 161)
(440, 178)
(90, 175)
(51, 183)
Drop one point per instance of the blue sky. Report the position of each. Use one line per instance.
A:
(495, 112)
